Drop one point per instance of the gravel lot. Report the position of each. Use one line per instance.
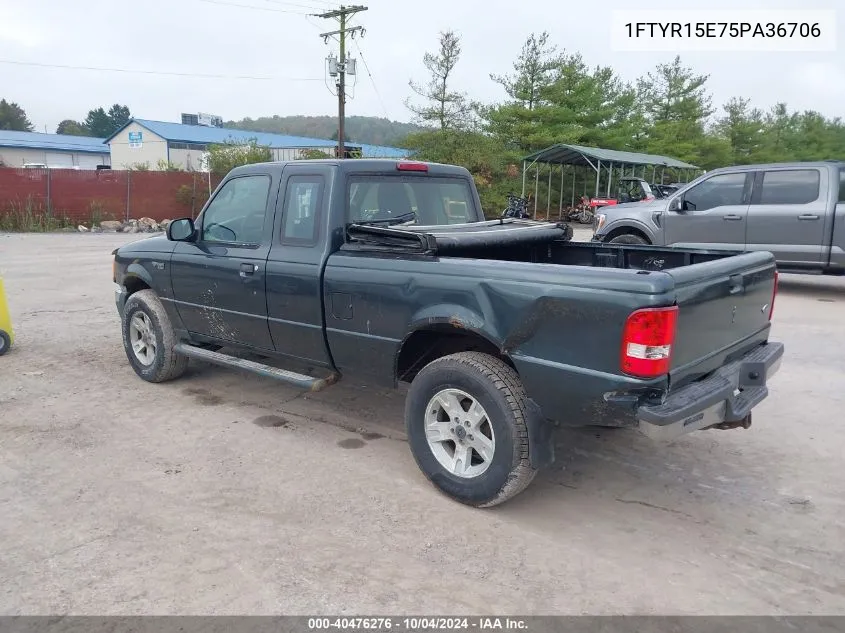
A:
(226, 493)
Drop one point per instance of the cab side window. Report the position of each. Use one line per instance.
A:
(719, 191)
(793, 186)
(236, 214)
(303, 206)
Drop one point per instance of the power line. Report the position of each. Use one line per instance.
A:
(372, 80)
(324, 2)
(157, 72)
(249, 6)
(302, 6)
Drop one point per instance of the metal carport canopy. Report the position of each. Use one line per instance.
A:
(598, 159)
(563, 154)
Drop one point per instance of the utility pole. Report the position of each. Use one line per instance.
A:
(341, 66)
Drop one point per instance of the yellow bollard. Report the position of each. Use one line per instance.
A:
(7, 336)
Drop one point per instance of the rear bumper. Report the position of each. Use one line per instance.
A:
(726, 396)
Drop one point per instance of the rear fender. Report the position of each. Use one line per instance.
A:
(457, 318)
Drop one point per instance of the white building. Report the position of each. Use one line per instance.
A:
(18, 149)
(156, 143)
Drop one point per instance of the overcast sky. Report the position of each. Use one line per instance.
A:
(201, 37)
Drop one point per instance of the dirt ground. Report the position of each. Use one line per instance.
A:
(226, 493)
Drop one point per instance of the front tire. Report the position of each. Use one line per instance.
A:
(628, 238)
(148, 339)
(466, 421)
(5, 342)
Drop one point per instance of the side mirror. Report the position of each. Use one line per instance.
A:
(676, 204)
(182, 230)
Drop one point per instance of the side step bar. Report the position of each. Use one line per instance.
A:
(298, 380)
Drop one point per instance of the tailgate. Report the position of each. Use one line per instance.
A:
(724, 308)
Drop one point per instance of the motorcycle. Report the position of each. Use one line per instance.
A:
(583, 212)
(517, 208)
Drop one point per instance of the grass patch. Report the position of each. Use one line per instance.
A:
(30, 216)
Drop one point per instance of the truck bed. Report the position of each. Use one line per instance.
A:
(724, 298)
(524, 241)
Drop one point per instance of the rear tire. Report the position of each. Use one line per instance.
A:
(482, 459)
(5, 342)
(628, 238)
(148, 339)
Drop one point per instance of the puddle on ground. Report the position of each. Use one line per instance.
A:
(272, 421)
(351, 443)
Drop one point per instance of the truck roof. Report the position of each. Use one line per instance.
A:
(792, 164)
(359, 165)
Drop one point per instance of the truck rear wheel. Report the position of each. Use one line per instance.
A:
(148, 339)
(465, 417)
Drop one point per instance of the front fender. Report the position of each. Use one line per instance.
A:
(137, 270)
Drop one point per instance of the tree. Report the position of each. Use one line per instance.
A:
(480, 153)
(674, 93)
(102, 124)
(534, 71)
(73, 128)
(98, 123)
(516, 121)
(591, 107)
(676, 106)
(564, 101)
(312, 154)
(224, 157)
(119, 115)
(13, 117)
(742, 127)
(442, 106)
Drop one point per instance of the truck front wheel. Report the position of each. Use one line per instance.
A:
(148, 339)
(628, 238)
(466, 422)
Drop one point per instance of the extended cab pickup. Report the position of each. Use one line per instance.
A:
(794, 210)
(387, 271)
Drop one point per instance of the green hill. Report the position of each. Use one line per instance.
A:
(361, 129)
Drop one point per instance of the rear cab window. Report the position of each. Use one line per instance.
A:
(789, 186)
(425, 201)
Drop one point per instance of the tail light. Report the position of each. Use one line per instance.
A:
(409, 165)
(647, 342)
(774, 294)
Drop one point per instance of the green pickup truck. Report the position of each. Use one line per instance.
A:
(388, 272)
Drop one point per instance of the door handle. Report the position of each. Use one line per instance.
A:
(808, 216)
(731, 216)
(248, 269)
(737, 284)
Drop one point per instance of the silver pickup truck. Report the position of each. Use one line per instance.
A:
(794, 210)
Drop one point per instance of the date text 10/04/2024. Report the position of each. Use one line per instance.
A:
(723, 29)
(416, 623)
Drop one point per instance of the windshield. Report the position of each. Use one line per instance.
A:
(425, 200)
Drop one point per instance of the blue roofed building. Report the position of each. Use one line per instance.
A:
(155, 143)
(35, 149)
